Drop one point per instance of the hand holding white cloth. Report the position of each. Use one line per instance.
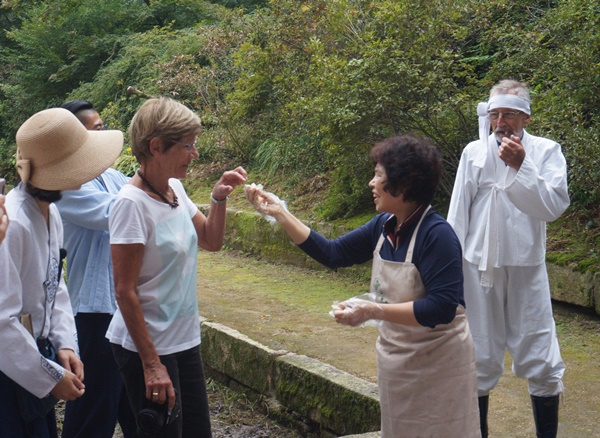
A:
(356, 311)
(267, 204)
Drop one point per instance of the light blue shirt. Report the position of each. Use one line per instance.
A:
(85, 214)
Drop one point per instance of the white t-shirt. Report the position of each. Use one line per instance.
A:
(167, 280)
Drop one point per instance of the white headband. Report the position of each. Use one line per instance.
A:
(498, 101)
(509, 101)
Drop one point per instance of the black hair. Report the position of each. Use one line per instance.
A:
(43, 195)
(413, 165)
(77, 105)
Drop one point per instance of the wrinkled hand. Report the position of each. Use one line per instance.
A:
(263, 202)
(228, 182)
(356, 311)
(159, 387)
(511, 152)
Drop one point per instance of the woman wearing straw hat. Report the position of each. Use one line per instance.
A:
(55, 153)
(155, 231)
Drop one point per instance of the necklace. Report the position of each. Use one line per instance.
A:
(173, 204)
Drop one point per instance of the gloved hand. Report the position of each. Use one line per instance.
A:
(267, 204)
(356, 311)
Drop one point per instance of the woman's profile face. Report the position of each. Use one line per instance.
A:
(384, 201)
(177, 158)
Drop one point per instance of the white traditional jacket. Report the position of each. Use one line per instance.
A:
(499, 214)
(28, 276)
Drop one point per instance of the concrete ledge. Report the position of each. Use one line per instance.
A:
(336, 401)
(575, 288)
(570, 286)
(237, 356)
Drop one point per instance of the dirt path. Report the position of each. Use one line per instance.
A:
(286, 307)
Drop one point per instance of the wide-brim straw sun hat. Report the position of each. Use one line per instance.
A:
(56, 152)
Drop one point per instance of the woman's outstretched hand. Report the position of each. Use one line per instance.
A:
(275, 210)
(265, 203)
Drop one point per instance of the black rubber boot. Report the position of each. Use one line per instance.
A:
(483, 413)
(545, 414)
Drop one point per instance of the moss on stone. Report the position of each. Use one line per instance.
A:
(319, 393)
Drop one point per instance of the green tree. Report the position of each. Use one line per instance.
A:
(61, 44)
(555, 47)
(300, 90)
(334, 77)
(52, 48)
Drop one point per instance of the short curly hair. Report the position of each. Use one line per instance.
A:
(413, 165)
(164, 118)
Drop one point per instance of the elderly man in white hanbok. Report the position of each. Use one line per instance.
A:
(508, 185)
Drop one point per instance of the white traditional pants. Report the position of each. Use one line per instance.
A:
(514, 314)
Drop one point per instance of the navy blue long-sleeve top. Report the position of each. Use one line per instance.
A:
(437, 256)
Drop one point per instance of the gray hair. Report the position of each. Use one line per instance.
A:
(510, 86)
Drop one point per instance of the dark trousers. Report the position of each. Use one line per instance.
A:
(187, 376)
(11, 424)
(95, 414)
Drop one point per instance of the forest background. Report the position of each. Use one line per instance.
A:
(297, 91)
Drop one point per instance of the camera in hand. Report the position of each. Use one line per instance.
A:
(154, 417)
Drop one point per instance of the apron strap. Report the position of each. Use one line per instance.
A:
(379, 244)
(411, 245)
(409, 252)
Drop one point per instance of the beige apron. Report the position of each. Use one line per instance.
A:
(427, 380)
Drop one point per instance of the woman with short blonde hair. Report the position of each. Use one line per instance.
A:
(155, 231)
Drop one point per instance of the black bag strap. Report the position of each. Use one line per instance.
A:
(61, 258)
